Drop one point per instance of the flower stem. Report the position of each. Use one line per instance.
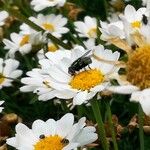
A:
(104, 8)
(141, 133)
(22, 18)
(98, 117)
(111, 127)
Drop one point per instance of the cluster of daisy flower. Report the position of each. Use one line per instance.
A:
(78, 74)
(131, 33)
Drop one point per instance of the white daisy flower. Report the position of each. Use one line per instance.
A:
(1, 108)
(39, 83)
(62, 134)
(86, 83)
(52, 23)
(134, 17)
(8, 72)
(137, 69)
(112, 30)
(23, 43)
(39, 5)
(3, 16)
(88, 28)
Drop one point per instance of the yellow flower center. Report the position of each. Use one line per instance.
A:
(136, 24)
(138, 67)
(50, 143)
(86, 80)
(52, 48)
(92, 32)
(2, 78)
(25, 40)
(48, 26)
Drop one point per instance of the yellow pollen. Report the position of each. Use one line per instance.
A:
(25, 40)
(52, 48)
(87, 79)
(136, 24)
(92, 32)
(2, 78)
(48, 26)
(138, 67)
(50, 143)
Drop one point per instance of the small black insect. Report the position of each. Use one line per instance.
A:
(134, 46)
(42, 136)
(80, 63)
(65, 141)
(145, 20)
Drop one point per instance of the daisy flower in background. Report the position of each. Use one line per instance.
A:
(39, 5)
(133, 16)
(3, 16)
(8, 72)
(39, 83)
(137, 68)
(23, 43)
(88, 28)
(62, 134)
(1, 108)
(52, 23)
(83, 85)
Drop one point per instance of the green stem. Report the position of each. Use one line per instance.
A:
(103, 4)
(22, 18)
(22, 7)
(111, 127)
(98, 117)
(98, 39)
(141, 133)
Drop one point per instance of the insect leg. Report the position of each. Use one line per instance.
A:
(89, 67)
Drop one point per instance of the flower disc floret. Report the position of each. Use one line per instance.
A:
(50, 143)
(86, 80)
(138, 67)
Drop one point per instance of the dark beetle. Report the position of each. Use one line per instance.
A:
(145, 20)
(65, 141)
(80, 63)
